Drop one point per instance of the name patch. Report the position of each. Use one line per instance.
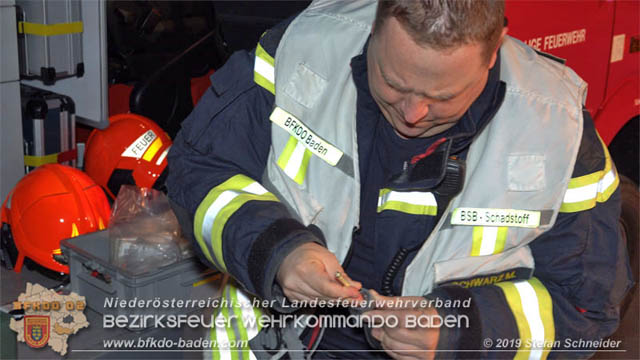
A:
(484, 280)
(308, 138)
(495, 217)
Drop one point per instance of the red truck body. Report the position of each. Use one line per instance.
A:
(600, 40)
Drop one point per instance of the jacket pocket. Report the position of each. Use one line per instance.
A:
(516, 263)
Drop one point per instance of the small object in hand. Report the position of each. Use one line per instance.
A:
(341, 279)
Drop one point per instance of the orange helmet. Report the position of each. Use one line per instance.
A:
(131, 151)
(51, 203)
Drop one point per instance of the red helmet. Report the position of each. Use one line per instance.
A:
(131, 151)
(52, 203)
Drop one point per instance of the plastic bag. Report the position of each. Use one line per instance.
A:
(144, 232)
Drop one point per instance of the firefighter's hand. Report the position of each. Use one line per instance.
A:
(308, 273)
(407, 340)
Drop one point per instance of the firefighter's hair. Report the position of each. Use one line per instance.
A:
(445, 24)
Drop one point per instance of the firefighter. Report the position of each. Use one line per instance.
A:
(414, 148)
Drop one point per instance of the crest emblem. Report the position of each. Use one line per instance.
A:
(36, 330)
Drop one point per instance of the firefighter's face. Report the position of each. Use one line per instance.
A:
(422, 91)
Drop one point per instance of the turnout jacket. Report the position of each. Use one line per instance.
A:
(269, 159)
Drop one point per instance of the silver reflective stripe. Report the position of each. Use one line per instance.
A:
(489, 237)
(582, 193)
(163, 155)
(607, 181)
(222, 340)
(234, 322)
(531, 309)
(265, 69)
(410, 202)
(212, 212)
(251, 326)
(255, 188)
(295, 161)
(412, 197)
(223, 200)
(590, 191)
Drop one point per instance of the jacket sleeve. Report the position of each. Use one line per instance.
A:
(581, 275)
(215, 167)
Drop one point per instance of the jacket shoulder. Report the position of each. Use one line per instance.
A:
(527, 72)
(593, 154)
(270, 39)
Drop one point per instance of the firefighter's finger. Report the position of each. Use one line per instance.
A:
(297, 296)
(332, 289)
(313, 283)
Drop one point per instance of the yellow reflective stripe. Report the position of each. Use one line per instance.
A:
(232, 336)
(223, 216)
(294, 160)
(51, 29)
(476, 238)
(257, 312)
(260, 80)
(240, 322)
(488, 240)
(283, 159)
(515, 304)
(198, 223)
(242, 325)
(215, 351)
(221, 335)
(410, 202)
(578, 206)
(152, 150)
(545, 307)
(217, 207)
(501, 239)
(218, 335)
(585, 191)
(263, 54)
(35, 161)
(248, 314)
(264, 70)
(584, 180)
(532, 308)
(306, 157)
(608, 185)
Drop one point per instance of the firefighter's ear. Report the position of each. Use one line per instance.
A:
(494, 55)
(505, 30)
